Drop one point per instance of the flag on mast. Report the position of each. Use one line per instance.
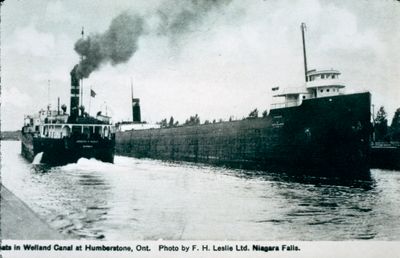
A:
(92, 93)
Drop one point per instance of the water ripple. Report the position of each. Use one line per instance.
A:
(146, 199)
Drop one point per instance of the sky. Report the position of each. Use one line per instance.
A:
(217, 59)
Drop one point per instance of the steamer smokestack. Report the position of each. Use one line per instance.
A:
(136, 110)
(74, 106)
(135, 107)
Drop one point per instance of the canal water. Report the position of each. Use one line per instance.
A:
(136, 199)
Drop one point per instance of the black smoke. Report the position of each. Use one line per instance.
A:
(116, 45)
(179, 17)
(120, 42)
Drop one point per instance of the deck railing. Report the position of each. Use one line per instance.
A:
(284, 104)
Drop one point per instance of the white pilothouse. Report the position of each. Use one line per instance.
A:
(323, 83)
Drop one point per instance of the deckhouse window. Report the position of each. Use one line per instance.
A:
(322, 76)
(76, 129)
(86, 131)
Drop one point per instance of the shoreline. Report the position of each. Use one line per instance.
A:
(18, 221)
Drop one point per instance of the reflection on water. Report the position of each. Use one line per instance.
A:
(147, 199)
(366, 182)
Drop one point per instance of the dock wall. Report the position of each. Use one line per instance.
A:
(18, 221)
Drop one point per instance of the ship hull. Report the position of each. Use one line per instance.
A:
(67, 150)
(325, 137)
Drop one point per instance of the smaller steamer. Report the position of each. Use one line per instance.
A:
(64, 138)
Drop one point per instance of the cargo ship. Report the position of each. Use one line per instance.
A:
(316, 129)
(61, 138)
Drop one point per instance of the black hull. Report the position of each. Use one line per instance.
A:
(324, 137)
(68, 150)
(386, 157)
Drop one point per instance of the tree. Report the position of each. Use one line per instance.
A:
(171, 122)
(253, 114)
(395, 126)
(193, 120)
(265, 114)
(381, 127)
(163, 123)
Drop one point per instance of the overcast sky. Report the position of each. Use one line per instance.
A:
(216, 60)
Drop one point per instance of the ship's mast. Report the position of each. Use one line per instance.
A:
(81, 84)
(131, 89)
(133, 113)
(48, 94)
(90, 98)
(303, 28)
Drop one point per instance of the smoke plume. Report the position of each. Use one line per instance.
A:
(116, 45)
(120, 42)
(179, 17)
